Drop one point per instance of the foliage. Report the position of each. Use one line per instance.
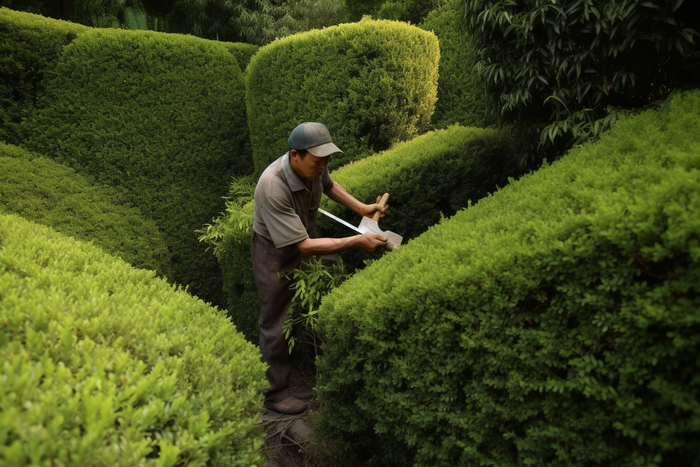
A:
(371, 83)
(29, 45)
(161, 115)
(434, 174)
(413, 11)
(553, 323)
(311, 282)
(460, 93)
(104, 364)
(229, 235)
(427, 178)
(570, 68)
(43, 191)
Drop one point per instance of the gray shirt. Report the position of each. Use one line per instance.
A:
(285, 210)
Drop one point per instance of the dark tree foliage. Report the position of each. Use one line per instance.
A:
(567, 69)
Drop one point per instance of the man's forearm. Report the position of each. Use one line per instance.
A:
(327, 246)
(340, 196)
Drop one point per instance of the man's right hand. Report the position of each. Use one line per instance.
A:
(371, 241)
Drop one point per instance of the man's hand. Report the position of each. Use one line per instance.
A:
(369, 210)
(371, 241)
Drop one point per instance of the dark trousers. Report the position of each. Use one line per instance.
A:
(275, 297)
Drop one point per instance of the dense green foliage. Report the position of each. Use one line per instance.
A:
(412, 11)
(553, 323)
(104, 364)
(229, 236)
(159, 114)
(41, 190)
(460, 93)
(29, 46)
(433, 175)
(371, 83)
(568, 68)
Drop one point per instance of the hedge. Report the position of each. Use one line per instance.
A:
(433, 175)
(159, 114)
(43, 191)
(104, 364)
(461, 96)
(372, 83)
(29, 46)
(553, 323)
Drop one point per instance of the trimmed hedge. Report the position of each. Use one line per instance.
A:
(41, 190)
(461, 97)
(29, 46)
(433, 175)
(427, 178)
(553, 323)
(104, 364)
(372, 83)
(161, 115)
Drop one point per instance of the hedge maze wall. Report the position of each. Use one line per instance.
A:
(553, 323)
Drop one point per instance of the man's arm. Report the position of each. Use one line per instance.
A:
(326, 246)
(340, 196)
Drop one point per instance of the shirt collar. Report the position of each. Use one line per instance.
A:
(293, 179)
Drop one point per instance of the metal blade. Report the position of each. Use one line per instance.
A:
(338, 219)
(369, 225)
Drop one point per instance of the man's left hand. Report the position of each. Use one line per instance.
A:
(371, 209)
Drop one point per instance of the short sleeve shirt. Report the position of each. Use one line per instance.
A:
(285, 210)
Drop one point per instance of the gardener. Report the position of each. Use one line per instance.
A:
(286, 203)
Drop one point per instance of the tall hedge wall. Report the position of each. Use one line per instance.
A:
(434, 174)
(553, 323)
(44, 191)
(29, 46)
(372, 83)
(161, 115)
(461, 97)
(104, 364)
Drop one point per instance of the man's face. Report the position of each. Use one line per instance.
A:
(310, 167)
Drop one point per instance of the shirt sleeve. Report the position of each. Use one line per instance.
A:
(282, 222)
(326, 180)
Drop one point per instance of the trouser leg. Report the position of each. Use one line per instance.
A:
(275, 298)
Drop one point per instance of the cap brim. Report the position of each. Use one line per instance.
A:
(324, 150)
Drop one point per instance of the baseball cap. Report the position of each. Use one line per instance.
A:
(314, 137)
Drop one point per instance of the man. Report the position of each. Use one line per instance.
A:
(286, 203)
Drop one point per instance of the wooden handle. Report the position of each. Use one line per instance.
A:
(382, 202)
(390, 246)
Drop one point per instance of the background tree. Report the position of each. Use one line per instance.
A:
(565, 70)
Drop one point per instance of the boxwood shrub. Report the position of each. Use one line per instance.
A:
(553, 323)
(433, 175)
(44, 191)
(29, 45)
(161, 115)
(104, 364)
(461, 96)
(372, 83)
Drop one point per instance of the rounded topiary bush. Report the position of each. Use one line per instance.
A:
(162, 116)
(104, 364)
(29, 45)
(372, 83)
(553, 323)
(44, 191)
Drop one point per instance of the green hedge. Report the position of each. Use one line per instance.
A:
(461, 98)
(159, 114)
(29, 46)
(433, 175)
(104, 364)
(372, 83)
(553, 323)
(41, 190)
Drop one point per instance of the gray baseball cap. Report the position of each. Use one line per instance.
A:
(314, 137)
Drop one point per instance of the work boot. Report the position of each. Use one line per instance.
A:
(288, 405)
